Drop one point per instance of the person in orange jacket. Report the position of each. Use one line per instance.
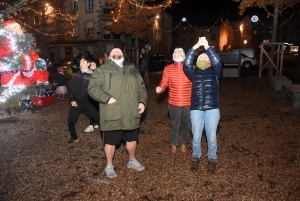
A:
(179, 100)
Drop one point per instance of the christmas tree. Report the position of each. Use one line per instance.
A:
(24, 78)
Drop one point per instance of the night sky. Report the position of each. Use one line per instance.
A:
(202, 12)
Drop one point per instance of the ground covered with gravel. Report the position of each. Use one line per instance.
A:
(258, 153)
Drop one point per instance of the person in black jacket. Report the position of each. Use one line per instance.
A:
(61, 89)
(205, 111)
(79, 97)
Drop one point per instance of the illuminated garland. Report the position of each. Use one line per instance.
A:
(67, 17)
(184, 20)
(142, 6)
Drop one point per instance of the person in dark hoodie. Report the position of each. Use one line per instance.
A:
(205, 111)
(79, 98)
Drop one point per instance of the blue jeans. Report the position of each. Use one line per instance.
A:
(209, 120)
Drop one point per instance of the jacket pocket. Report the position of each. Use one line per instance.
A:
(112, 112)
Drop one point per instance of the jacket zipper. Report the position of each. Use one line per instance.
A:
(180, 90)
(110, 80)
(202, 87)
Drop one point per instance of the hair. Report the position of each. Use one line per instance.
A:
(201, 50)
(87, 58)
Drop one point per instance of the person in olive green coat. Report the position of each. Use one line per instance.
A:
(121, 93)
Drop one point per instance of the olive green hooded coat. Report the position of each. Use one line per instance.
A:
(126, 86)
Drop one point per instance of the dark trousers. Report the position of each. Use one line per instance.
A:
(74, 113)
(179, 117)
(96, 105)
(143, 74)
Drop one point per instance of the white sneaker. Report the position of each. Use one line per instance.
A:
(96, 126)
(134, 164)
(88, 129)
(110, 172)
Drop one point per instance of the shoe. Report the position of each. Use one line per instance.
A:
(96, 126)
(173, 150)
(211, 168)
(88, 129)
(134, 164)
(72, 141)
(110, 172)
(195, 164)
(183, 150)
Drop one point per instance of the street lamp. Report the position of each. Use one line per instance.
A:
(245, 42)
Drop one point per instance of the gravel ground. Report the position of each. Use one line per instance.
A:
(258, 153)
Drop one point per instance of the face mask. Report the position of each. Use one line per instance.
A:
(118, 61)
(179, 59)
(202, 64)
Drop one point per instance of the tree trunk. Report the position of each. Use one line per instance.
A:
(274, 39)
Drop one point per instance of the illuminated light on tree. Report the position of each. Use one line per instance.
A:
(132, 17)
(254, 18)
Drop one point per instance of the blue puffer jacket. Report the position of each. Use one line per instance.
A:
(205, 88)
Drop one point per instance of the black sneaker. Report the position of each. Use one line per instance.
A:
(72, 141)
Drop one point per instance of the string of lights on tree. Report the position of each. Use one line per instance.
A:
(142, 6)
(66, 17)
(70, 19)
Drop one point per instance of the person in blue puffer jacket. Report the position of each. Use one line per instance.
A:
(205, 111)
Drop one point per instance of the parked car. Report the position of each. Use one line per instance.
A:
(247, 61)
(158, 62)
(67, 67)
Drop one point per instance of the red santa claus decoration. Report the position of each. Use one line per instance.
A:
(19, 63)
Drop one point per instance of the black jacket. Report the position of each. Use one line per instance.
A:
(61, 81)
(78, 86)
(205, 87)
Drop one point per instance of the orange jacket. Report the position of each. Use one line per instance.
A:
(179, 85)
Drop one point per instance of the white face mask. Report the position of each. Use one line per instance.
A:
(179, 59)
(118, 61)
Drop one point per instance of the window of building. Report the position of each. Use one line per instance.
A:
(75, 5)
(106, 11)
(107, 36)
(75, 29)
(89, 5)
(36, 20)
(89, 28)
(116, 36)
(61, 7)
(213, 37)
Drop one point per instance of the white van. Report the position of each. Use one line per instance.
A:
(247, 51)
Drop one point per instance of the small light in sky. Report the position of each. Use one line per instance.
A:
(254, 18)
(184, 19)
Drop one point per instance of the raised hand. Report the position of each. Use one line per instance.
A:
(198, 44)
(203, 41)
